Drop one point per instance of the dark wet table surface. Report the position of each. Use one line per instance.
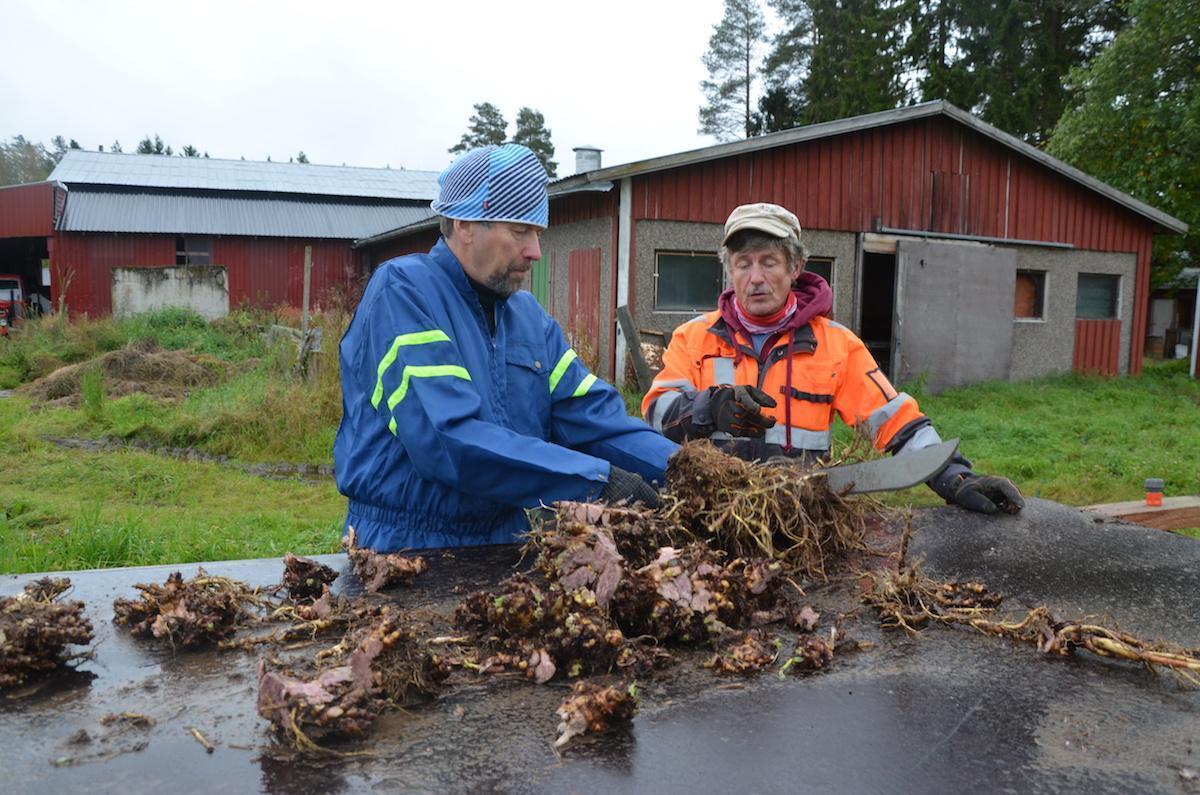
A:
(948, 711)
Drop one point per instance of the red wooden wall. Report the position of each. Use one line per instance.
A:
(263, 272)
(583, 301)
(28, 210)
(1097, 346)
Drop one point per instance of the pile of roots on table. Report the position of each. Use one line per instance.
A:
(36, 629)
(906, 599)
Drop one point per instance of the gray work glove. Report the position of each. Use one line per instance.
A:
(979, 493)
(628, 487)
(737, 410)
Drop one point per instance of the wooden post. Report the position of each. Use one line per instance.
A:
(633, 347)
(307, 285)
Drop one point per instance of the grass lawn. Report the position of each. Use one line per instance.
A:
(1078, 440)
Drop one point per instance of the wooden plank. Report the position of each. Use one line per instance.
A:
(633, 346)
(1174, 514)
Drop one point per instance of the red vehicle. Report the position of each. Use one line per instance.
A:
(12, 301)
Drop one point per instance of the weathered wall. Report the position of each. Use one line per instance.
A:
(204, 288)
(557, 244)
(1041, 347)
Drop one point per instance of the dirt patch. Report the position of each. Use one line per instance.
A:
(137, 368)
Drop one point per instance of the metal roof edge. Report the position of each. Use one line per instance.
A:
(53, 182)
(588, 187)
(1168, 222)
(391, 234)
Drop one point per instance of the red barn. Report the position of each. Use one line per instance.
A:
(229, 232)
(955, 250)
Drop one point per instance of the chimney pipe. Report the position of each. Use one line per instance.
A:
(587, 158)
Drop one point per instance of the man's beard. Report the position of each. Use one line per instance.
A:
(503, 283)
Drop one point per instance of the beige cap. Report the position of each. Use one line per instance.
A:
(769, 218)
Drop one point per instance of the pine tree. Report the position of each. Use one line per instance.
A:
(732, 62)
(854, 67)
(153, 147)
(486, 127)
(22, 160)
(786, 67)
(301, 158)
(532, 132)
(189, 151)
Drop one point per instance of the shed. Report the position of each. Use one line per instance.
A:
(956, 251)
(103, 218)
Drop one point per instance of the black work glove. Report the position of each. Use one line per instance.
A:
(737, 410)
(628, 487)
(980, 493)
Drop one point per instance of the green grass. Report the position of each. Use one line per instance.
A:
(1079, 440)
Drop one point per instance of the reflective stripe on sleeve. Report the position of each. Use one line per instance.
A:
(682, 384)
(884, 413)
(802, 438)
(924, 437)
(658, 409)
(559, 369)
(424, 371)
(723, 370)
(401, 340)
(584, 386)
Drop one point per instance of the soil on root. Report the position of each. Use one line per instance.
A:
(36, 628)
(137, 368)
(774, 511)
(306, 579)
(189, 613)
(592, 708)
(377, 570)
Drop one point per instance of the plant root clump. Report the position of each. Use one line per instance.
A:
(637, 534)
(812, 653)
(305, 579)
(377, 570)
(754, 651)
(35, 630)
(542, 631)
(594, 708)
(190, 613)
(779, 512)
(692, 595)
(386, 665)
(908, 599)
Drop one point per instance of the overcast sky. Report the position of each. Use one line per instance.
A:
(360, 83)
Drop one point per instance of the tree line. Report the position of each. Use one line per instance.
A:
(487, 126)
(1109, 86)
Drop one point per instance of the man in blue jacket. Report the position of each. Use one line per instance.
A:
(462, 402)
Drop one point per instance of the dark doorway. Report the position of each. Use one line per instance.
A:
(25, 257)
(878, 306)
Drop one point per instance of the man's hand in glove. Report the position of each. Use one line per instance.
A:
(628, 487)
(737, 410)
(984, 493)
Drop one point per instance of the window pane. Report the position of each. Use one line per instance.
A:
(1096, 298)
(687, 281)
(821, 267)
(1028, 299)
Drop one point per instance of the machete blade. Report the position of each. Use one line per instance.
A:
(891, 474)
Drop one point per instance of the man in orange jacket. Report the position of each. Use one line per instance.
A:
(763, 374)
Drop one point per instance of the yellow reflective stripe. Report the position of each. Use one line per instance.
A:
(424, 371)
(415, 338)
(583, 386)
(560, 368)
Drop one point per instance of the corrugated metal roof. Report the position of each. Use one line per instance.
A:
(164, 213)
(158, 171)
(866, 121)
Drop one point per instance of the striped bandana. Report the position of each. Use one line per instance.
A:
(495, 183)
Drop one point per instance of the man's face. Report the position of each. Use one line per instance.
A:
(762, 278)
(498, 255)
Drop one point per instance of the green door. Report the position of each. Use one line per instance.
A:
(538, 280)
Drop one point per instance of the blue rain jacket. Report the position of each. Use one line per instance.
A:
(448, 432)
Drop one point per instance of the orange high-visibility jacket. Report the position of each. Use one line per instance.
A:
(832, 371)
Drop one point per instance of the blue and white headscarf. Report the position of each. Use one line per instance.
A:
(495, 183)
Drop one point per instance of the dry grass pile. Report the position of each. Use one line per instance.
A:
(136, 368)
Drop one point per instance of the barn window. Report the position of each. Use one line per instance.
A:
(1029, 299)
(1097, 296)
(191, 250)
(822, 266)
(686, 281)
